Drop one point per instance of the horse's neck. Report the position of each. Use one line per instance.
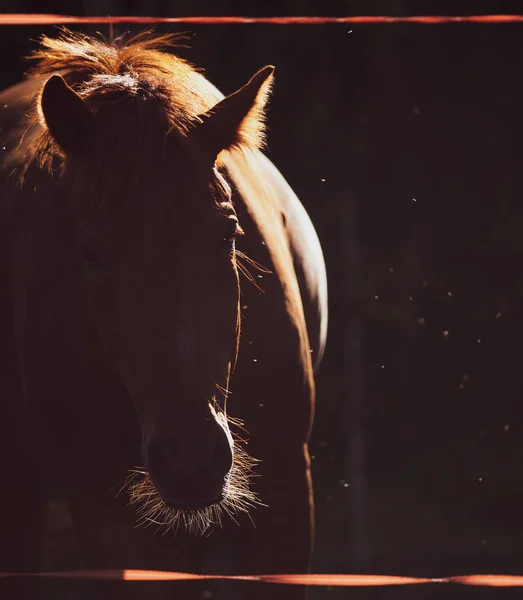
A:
(16, 102)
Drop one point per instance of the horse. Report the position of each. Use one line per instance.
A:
(164, 308)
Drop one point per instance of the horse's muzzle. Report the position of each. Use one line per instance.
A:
(190, 478)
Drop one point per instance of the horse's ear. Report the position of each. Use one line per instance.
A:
(66, 115)
(239, 119)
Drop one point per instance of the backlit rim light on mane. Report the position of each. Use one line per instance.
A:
(238, 497)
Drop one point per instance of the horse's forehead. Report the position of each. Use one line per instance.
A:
(166, 186)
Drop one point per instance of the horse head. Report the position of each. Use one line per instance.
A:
(156, 231)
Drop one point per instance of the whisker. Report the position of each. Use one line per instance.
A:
(246, 273)
(238, 423)
(223, 390)
(252, 262)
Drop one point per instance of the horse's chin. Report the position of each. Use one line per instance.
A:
(188, 505)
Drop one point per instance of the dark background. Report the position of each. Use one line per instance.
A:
(404, 143)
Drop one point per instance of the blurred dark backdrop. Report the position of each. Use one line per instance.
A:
(404, 142)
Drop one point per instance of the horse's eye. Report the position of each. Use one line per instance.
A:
(230, 232)
(90, 257)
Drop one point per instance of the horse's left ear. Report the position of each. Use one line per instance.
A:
(66, 115)
(239, 119)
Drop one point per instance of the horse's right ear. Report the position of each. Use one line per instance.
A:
(66, 115)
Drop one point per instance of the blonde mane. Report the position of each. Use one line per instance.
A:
(128, 72)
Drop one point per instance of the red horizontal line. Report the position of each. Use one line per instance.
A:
(293, 579)
(49, 19)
